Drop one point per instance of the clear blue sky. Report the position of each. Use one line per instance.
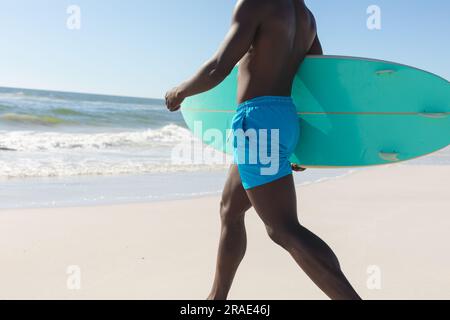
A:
(143, 47)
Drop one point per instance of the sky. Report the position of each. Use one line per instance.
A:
(143, 48)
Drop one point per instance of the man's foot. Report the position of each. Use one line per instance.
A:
(217, 297)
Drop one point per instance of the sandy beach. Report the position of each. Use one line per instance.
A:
(390, 222)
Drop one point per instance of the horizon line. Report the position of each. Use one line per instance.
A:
(83, 93)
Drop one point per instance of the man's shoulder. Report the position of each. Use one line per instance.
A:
(255, 5)
(263, 7)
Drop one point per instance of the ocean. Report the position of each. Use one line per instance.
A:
(72, 149)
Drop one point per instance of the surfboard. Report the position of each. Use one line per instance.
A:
(352, 111)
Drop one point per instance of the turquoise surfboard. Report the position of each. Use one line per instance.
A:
(352, 111)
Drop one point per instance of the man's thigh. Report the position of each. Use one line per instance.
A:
(234, 198)
(275, 202)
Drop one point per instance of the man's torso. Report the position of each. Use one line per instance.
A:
(280, 45)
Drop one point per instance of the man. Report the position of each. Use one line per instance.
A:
(270, 39)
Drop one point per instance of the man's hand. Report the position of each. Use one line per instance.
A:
(297, 168)
(174, 100)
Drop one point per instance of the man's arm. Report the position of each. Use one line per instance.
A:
(246, 20)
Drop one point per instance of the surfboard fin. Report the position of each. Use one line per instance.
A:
(434, 115)
(385, 72)
(389, 156)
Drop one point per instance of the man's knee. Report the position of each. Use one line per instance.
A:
(283, 235)
(231, 213)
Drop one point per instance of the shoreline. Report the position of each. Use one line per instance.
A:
(128, 189)
(392, 218)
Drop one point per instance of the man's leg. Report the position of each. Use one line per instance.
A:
(276, 204)
(233, 240)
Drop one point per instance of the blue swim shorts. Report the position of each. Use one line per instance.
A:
(265, 135)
